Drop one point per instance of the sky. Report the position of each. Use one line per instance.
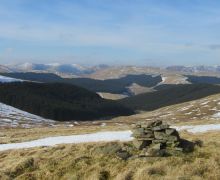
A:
(128, 32)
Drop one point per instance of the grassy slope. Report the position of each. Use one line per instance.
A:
(86, 161)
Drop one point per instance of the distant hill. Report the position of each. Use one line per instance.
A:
(73, 69)
(194, 69)
(4, 69)
(59, 101)
(169, 95)
(203, 79)
(116, 86)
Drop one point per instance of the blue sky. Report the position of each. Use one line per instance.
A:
(137, 32)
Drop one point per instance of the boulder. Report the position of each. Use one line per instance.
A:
(186, 145)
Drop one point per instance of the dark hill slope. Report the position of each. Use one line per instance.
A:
(203, 79)
(59, 101)
(169, 95)
(117, 86)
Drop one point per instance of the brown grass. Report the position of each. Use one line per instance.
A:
(86, 161)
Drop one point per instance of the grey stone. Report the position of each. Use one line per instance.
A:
(146, 135)
(141, 144)
(187, 146)
(138, 132)
(160, 135)
(157, 152)
(172, 144)
(159, 141)
(156, 146)
(170, 131)
(155, 123)
(172, 138)
(161, 127)
(123, 155)
(179, 149)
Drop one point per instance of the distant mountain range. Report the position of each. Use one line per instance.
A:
(194, 69)
(52, 68)
(104, 71)
(5, 69)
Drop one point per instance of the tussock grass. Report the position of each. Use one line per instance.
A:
(94, 161)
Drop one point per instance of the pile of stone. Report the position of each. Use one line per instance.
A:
(157, 136)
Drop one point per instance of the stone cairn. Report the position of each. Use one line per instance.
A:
(157, 137)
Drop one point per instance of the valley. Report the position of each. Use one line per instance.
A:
(97, 114)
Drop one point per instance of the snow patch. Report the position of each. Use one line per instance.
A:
(217, 115)
(4, 79)
(85, 138)
(199, 128)
(98, 137)
(12, 117)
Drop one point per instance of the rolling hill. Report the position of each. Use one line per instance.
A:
(169, 95)
(59, 101)
(117, 86)
(203, 79)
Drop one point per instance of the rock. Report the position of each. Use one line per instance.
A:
(172, 144)
(156, 146)
(143, 153)
(148, 136)
(138, 132)
(162, 141)
(172, 138)
(141, 144)
(157, 152)
(160, 135)
(123, 155)
(161, 127)
(170, 131)
(155, 123)
(186, 145)
(157, 136)
(179, 149)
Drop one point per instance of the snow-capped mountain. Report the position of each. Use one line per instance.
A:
(194, 69)
(4, 69)
(74, 69)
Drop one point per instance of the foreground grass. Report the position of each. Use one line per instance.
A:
(98, 161)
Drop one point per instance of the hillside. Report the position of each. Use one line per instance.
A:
(59, 101)
(116, 86)
(169, 95)
(203, 79)
(13, 117)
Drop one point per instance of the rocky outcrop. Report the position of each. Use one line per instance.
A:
(157, 138)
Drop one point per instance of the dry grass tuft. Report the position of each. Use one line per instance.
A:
(98, 161)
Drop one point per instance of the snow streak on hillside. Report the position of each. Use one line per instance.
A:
(4, 79)
(13, 117)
